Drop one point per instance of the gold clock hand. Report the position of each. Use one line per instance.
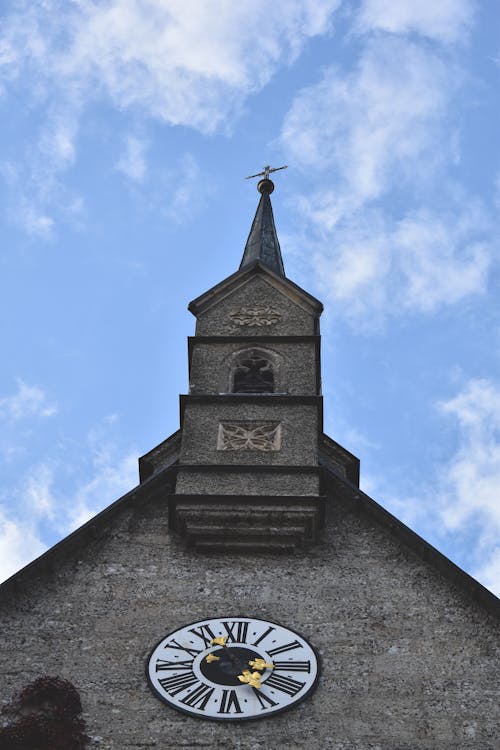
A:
(250, 678)
(211, 657)
(261, 664)
(221, 641)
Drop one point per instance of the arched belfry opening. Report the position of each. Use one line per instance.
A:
(253, 372)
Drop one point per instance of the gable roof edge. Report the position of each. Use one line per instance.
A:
(87, 531)
(207, 298)
(423, 549)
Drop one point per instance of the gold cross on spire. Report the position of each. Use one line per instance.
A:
(266, 172)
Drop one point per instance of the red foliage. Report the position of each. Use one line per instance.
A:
(48, 712)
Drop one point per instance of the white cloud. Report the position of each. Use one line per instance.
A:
(133, 161)
(109, 482)
(19, 544)
(29, 401)
(459, 508)
(443, 258)
(32, 218)
(470, 480)
(444, 21)
(57, 140)
(380, 137)
(182, 61)
(473, 474)
(58, 495)
(179, 61)
(190, 192)
(37, 492)
(489, 572)
(376, 127)
(370, 267)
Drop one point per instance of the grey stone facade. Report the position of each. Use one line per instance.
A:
(409, 660)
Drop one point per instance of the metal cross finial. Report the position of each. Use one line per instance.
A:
(266, 172)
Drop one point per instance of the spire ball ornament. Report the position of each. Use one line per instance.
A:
(266, 186)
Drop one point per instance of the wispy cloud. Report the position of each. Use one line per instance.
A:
(110, 481)
(473, 474)
(378, 138)
(371, 266)
(61, 492)
(191, 191)
(29, 401)
(182, 63)
(37, 493)
(458, 508)
(446, 21)
(19, 544)
(470, 480)
(375, 127)
(133, 160)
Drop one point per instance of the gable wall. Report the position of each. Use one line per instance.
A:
(408, 663)
(294, 321)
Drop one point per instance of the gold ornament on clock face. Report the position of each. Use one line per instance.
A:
(232, 668)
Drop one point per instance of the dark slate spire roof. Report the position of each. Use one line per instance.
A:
(262, 243)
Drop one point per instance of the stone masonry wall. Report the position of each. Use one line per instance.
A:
(293, 319)
(211, 365)
(408, 662)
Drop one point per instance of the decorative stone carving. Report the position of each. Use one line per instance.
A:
(258, 315)
(249, 436)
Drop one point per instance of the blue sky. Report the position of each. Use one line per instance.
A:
(127, 129)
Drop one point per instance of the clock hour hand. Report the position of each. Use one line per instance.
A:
(250, 678)
(260, 664)
(221, 641)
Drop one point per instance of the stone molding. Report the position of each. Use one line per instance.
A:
(247, 523)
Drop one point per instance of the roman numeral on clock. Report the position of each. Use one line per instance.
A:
(285, 684)
(161, 664)
(292, 666)
(177, 682)
(205, 633)
(177, 646)
(229, 700)
(285, 647)
(264, 635)
(236, 631)
(199, 697)
(263, 699)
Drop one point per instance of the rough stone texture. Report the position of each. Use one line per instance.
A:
(408, 661)
(299, 432)
(211, 366)
(246, 483)
(295, 320)
(267, 524)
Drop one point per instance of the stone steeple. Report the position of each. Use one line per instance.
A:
(250, 463)
(262, 243)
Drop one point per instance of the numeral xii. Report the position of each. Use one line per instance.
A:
(236, 630)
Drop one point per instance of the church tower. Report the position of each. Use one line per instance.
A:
(247, 595)
(249, 471)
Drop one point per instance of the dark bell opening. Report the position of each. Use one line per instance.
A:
(253, 375)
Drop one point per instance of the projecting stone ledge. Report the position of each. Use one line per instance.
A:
(247, 523)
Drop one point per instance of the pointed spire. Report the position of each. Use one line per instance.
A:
(262, 243)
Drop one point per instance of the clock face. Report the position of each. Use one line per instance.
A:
(232, 668)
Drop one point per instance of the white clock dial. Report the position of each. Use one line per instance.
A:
(232, 668)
